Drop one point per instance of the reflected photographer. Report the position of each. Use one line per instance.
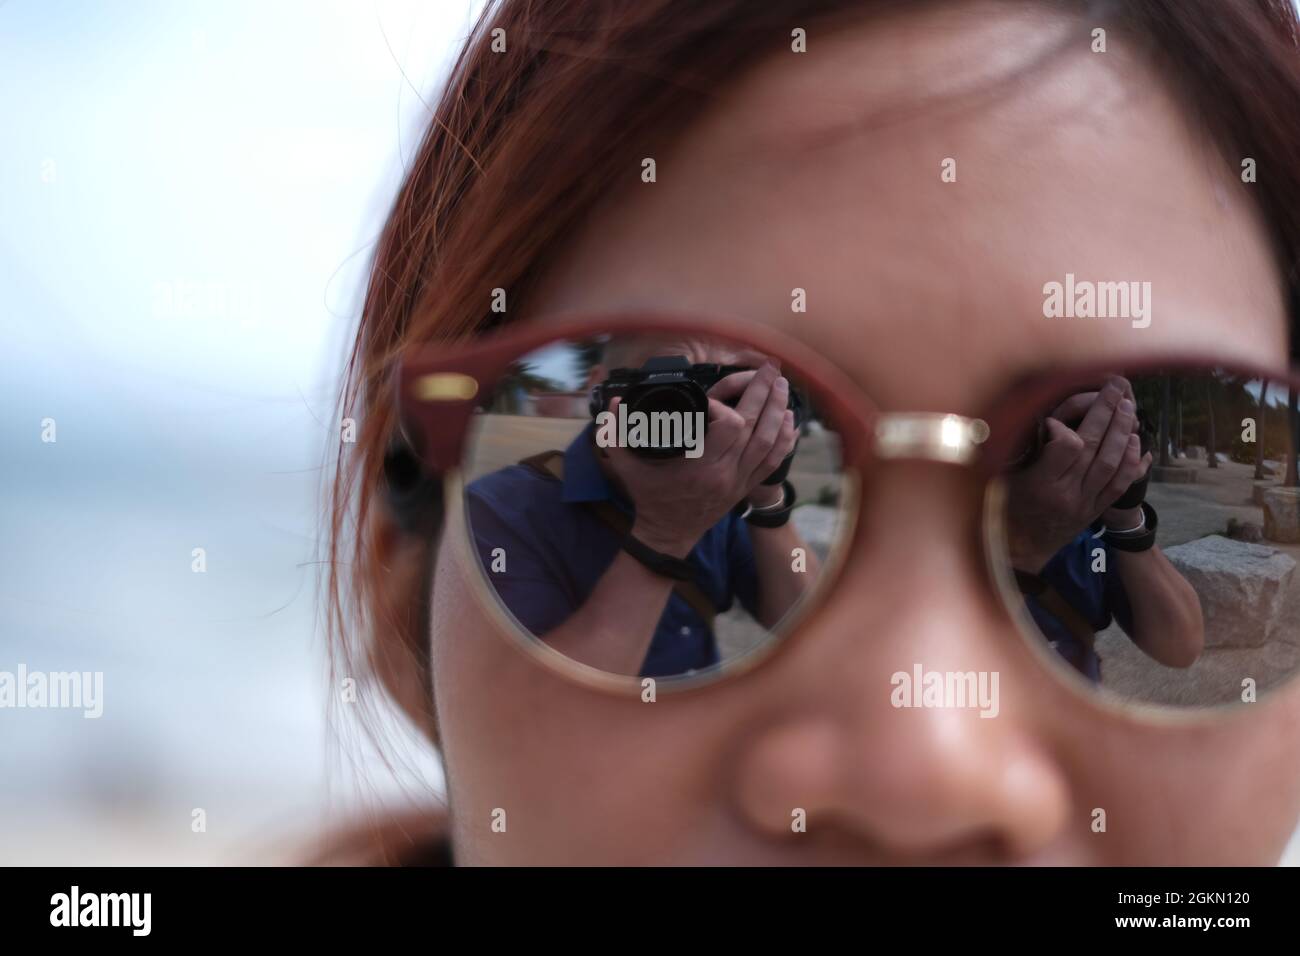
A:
(669, 507)
(1080, 486)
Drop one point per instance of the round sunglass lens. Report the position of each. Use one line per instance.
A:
(1152, 532)
(651, 506)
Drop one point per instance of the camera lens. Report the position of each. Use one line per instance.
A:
(664, 398)
(677, 399)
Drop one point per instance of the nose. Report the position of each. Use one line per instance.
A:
(914, 774)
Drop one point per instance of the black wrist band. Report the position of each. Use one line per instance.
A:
(679, 569)
(1134, 495)
(777, 518)
(1142, 541)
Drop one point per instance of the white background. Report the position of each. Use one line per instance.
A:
(189, 193)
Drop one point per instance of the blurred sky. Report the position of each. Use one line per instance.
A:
(188, 198)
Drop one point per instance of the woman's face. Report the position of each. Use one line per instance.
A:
(822, 171)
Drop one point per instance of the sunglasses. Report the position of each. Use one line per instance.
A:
(670, 500)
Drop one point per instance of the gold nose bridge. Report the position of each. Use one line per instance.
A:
(929, 436)
(445, 387)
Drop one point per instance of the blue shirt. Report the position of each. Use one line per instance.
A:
(1098, 596)
(557, 549)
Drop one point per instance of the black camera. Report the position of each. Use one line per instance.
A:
(670, 383)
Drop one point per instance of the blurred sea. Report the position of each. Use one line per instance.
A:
(188, 196)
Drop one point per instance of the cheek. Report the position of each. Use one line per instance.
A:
(477, 686)
(1210, 796)
(578, 775)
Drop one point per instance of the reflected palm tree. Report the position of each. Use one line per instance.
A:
(1292, 479)
(520, 380)
(586, 356)
(1211, 446)
(1165, 393)
(1260, 431)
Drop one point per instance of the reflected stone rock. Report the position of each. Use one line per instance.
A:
(1242, 587)
(1247, 531)
(1282, 515)
(1257, 492)
(1173, 474)
(816, 525)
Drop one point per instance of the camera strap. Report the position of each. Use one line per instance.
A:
(551, 464)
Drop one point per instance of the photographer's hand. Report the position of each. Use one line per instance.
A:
(1078, 475)
(678, 500)
(769, 452)
(779, 586)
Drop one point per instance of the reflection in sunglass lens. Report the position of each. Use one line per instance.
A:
(1152, 527)
(651, 506)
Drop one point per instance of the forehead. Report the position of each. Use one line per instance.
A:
(923, 179)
